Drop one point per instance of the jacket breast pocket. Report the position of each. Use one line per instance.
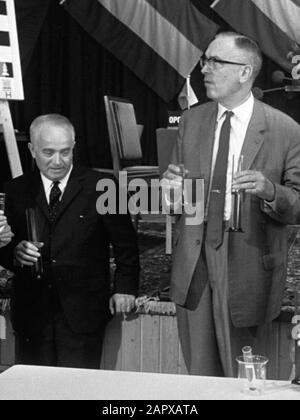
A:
(86, 226)
(86, 220)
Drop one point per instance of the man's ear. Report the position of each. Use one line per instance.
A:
(246, 73)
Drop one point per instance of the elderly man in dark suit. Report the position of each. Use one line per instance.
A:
(60, 317)
(227, 285)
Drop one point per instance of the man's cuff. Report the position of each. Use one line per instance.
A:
(267, 202)
(270, 205)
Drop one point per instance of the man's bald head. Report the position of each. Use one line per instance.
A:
(50, 120)
(52, 142)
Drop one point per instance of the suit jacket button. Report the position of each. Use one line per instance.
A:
(53, 261)
(198, 242)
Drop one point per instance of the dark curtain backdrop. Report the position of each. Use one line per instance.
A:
(69, 73)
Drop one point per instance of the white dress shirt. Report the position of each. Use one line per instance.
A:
(239, 125)
(48, 184)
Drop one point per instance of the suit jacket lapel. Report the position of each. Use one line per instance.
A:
(207, 142)
(254, 136)
(203, 151)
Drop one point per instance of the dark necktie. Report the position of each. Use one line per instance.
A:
(215, 217)
(55, 194)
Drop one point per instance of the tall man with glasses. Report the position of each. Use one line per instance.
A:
(229, 286)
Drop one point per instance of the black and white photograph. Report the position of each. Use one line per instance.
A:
(149, 203)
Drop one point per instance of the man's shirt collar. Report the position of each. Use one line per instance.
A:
(242, 112)
(62, 182)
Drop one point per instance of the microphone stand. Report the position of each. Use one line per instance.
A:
(288, 88)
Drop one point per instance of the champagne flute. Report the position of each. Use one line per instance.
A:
(33, 238)
(235, 224)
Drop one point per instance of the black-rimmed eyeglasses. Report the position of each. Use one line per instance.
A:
(212, 61)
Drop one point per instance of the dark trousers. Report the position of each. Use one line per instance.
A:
(58, 345)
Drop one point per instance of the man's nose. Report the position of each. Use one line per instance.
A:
(57, 159)
(205, 68)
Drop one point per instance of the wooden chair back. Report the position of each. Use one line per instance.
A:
(124, 132)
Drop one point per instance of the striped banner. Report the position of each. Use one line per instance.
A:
(274, 24)
(159, 40)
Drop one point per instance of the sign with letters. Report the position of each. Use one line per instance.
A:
(174, 118)
(11, 86)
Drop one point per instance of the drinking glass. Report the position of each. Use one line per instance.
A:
(235, 223)
(252, 374)
(32, 233)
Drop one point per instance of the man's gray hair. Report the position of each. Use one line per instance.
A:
(56, 120)
(249, 46)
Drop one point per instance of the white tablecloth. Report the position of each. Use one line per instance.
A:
(44, 383)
